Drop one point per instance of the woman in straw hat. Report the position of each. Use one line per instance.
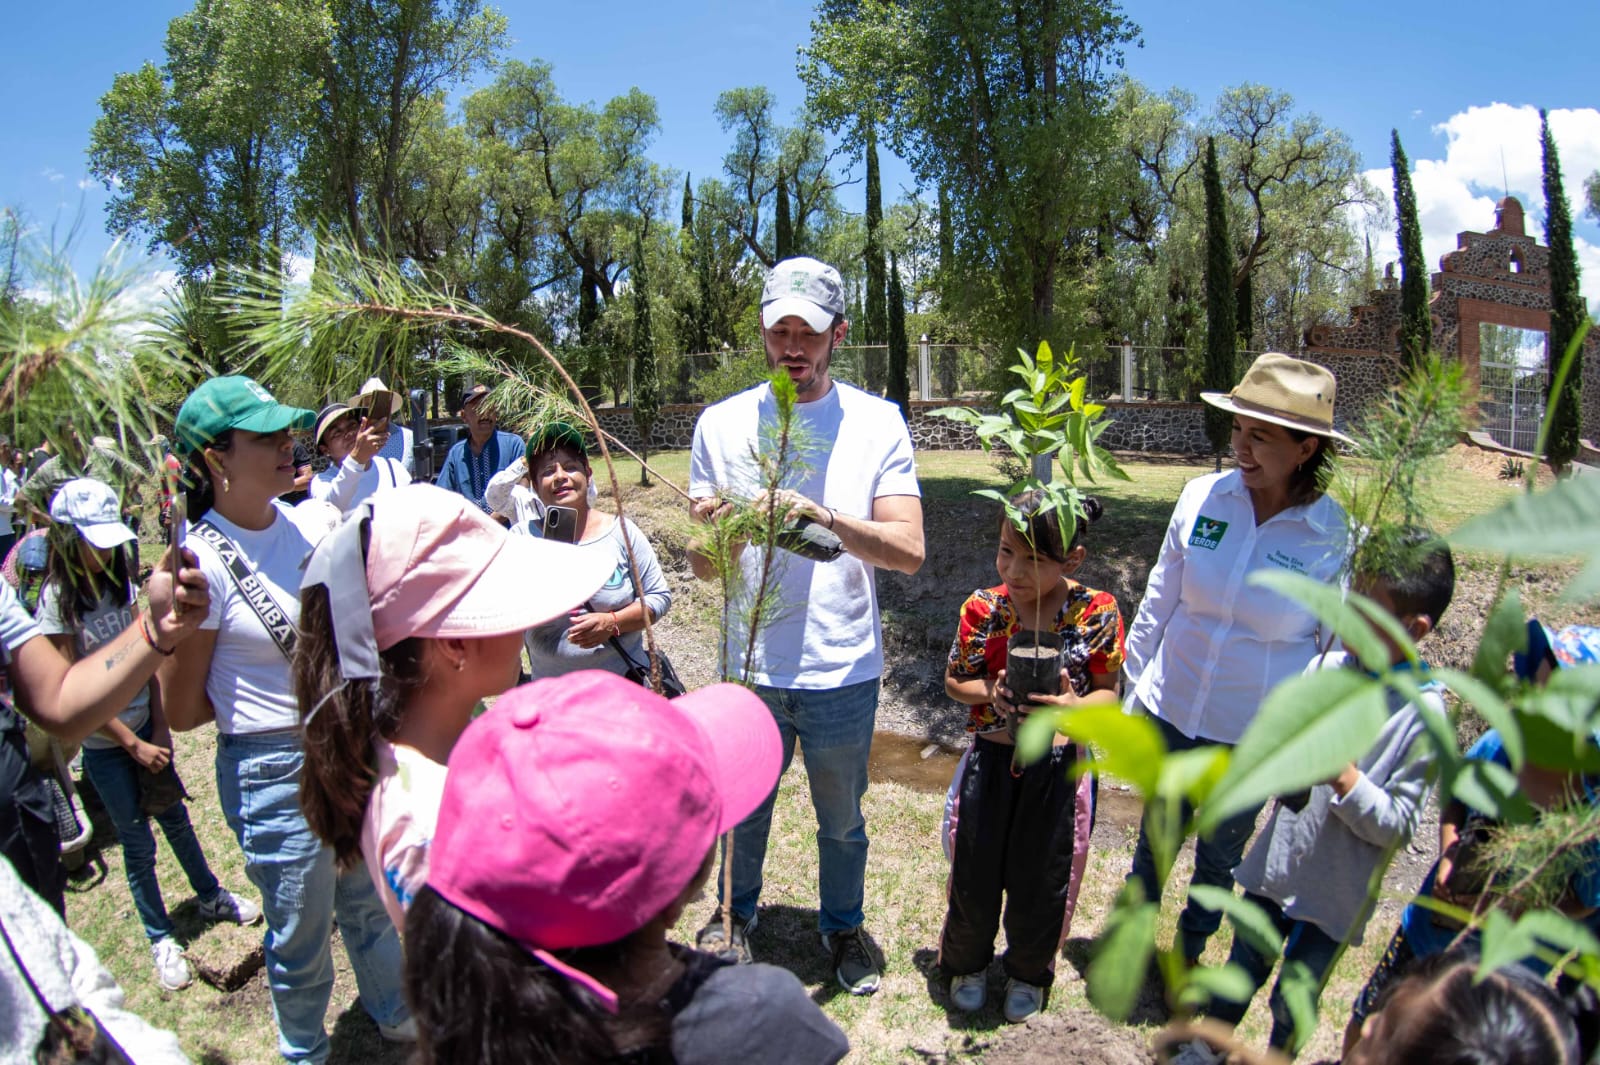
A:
(1207, 645)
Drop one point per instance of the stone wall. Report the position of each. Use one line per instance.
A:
(1501, 277)
(1166, 428)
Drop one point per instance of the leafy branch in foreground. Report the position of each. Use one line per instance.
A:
(81, 349)
(357, 310)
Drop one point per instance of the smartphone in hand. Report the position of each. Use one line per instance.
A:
(561, 525)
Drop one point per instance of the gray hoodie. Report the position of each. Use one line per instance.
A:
(1316, 863)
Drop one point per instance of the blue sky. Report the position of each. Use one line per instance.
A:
(1435, 72)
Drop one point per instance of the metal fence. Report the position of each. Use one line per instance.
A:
(948, 371)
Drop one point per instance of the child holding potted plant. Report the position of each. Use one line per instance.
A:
(1015, 825)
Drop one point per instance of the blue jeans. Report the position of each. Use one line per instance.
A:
(258, 783)
(115, 776)
(834, 727)
(1215, 857)
(1302, 941)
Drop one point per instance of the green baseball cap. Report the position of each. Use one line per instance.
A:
(224, 403)
(552, 435)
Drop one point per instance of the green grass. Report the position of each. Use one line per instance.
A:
(906, 872)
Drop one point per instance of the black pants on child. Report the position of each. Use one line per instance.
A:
(1303, 942)
(1013, 836)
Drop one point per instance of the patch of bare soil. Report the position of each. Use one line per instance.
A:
(1066, 1037)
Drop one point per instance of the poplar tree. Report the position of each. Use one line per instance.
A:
(899, 390)
(783, 225)
(1416, 328)
(1221, 320)
(873, 303)
(1567, 312)
(646, 381)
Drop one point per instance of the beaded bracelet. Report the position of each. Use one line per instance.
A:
(144, 628)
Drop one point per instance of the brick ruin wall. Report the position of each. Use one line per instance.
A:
(1501, 277)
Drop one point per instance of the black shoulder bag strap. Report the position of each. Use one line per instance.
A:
(255, 593)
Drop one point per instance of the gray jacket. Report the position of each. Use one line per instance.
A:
(67, 973)
(1316, 863)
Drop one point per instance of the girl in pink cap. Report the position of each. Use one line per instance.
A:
(411, 613)
(541, 935)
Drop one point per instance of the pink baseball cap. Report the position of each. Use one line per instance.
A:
(437, 567)
(579, 807)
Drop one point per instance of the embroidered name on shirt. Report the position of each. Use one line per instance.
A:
(1288, 562)
(1207, 533)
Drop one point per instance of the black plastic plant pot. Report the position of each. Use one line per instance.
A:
(1033, 667)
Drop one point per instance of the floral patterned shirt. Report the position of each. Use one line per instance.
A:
(1089, 622)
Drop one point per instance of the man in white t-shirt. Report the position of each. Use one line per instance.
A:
(817, 663)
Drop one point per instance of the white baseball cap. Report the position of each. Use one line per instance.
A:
(91, 506)
(805, 287)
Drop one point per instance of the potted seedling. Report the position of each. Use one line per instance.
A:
(1043, 419)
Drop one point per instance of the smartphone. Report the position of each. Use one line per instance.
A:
(561, 525)
(176, 520)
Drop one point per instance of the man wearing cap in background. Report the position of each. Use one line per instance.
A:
(817, 664)
(485, 452)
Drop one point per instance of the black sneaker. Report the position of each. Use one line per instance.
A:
(713, 939)
(853, 963)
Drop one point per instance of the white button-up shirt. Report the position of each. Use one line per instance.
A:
(1207, 646)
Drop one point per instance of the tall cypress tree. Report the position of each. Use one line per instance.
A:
(646, 381)
(876, 323)
(1221, 320)
(899, 390)
(688, 207)
(1416, 328)
(1567, 311)
(783, 225)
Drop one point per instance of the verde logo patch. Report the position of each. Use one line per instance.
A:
(1207, 533)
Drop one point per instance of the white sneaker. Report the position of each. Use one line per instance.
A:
(172, 970)
(970, 991)
(1197, 1052)
(226, 906)
(1022, 1001)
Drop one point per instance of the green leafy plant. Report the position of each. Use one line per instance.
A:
(1045, 417)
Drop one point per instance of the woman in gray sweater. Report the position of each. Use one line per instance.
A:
(558, 464)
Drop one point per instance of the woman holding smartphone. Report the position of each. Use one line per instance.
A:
(558, 463)
(234, 437)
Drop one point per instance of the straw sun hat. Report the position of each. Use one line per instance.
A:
(1288, 392)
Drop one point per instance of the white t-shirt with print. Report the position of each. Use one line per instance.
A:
(249, 685)
(104, 622)
(856, 450)
(398, 828)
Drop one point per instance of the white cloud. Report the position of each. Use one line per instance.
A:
(51, 174)
(1487, 152)
(88, 183)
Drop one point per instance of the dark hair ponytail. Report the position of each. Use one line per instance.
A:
(199, 492)
(339, 719)
(480, 996)
(1043, 527)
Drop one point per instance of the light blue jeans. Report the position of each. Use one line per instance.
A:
(115, 776)
(258, 782)
(834, 727)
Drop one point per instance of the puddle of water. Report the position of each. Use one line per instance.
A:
(918, 764)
